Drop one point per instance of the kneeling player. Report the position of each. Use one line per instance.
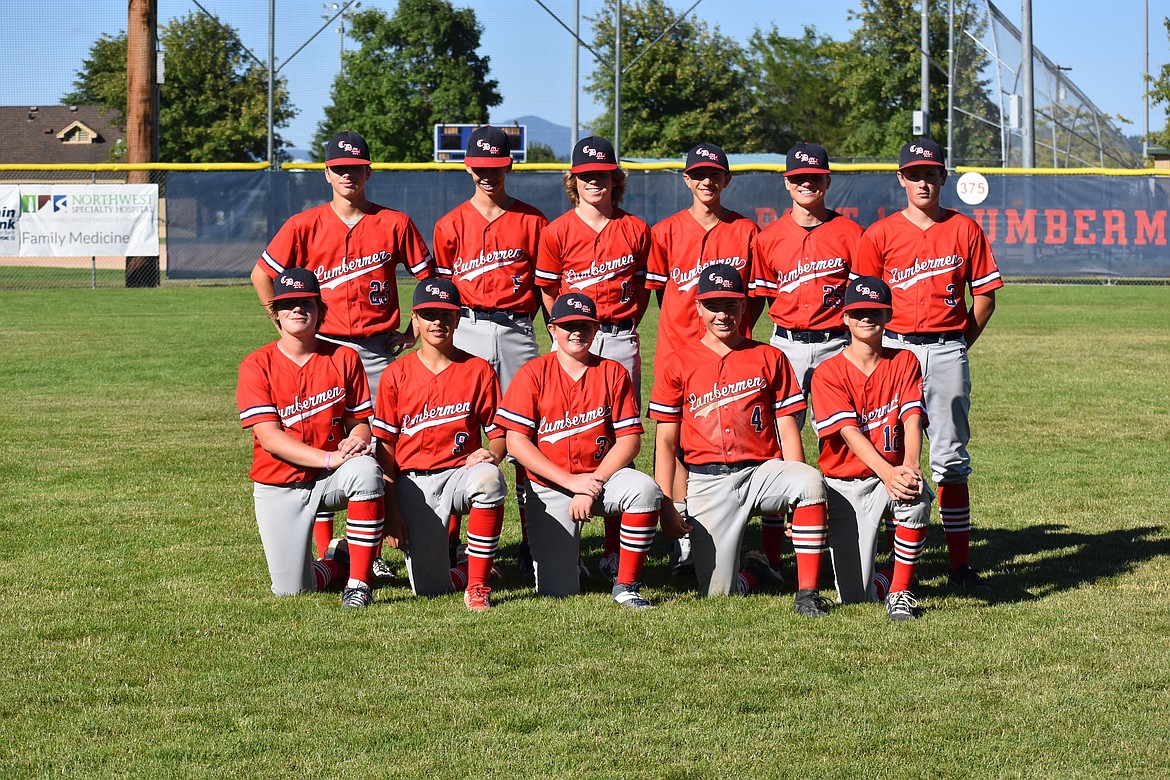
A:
(431, 406)
(573, 423)
(730, 402)
(870, 417)
(307, 403)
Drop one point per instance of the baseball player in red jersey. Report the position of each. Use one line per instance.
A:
(729, 402)
(600, 250)
(869, 419)
(431, 407)
(930, 257)
(307, 404)
(572, 422)
(487, 246)
(353, 247)
(684, 244)
(801, 262)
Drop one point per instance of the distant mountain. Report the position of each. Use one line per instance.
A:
(545, 132)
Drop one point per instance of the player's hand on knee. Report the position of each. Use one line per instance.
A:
(581, 508)
(482, 456)
(904, 484)
(673, 524)
(585, 485)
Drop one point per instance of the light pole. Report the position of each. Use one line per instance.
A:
(1055, 106)
(331, 10)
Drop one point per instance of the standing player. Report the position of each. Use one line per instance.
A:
(353, 247)
(572, 422)
(802, 262)
(729, 402)
(307, 404)
(487, 246)
(870, 418)
(431, 407)
(930, 257)
(684, 244)
(600, 250)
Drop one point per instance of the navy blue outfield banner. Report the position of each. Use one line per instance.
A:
(1063, 226)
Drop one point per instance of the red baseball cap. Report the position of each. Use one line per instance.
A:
(347, 148)
(488, 147)
(593, 154)
(295, 282)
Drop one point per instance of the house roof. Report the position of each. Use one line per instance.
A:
(50, 134)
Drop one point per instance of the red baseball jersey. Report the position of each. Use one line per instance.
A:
(573, 423)
(607, 266)
(805, 271)
(434, 420)
(877, 405)
(310, 402)
(355, 266)
(726, 406)
(682, 249)
(929, 270)
(491, 263)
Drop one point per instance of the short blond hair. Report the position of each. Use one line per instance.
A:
(619, 186)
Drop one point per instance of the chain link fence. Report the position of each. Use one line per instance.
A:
(1096, 228)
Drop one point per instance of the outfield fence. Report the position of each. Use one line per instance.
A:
(1087, 226)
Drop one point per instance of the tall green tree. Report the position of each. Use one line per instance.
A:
(691, 86)
(1160, 95)
(793, 90)
(877, 80)
(410, 71)
(214, 104)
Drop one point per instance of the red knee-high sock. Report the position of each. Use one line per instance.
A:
(454, 525)
(613, 534)
(325, 571)
(483, 537)
(458, 574)
(323, 532)
(809, 534)
(891, 529)
(363, 530)
(908, 546)
(772, 538)
(637, 534)
(954, 506)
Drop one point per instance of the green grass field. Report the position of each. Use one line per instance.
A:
(140, 639)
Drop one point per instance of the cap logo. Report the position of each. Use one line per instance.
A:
(805, 157)
(869, 293)
(487, 147)
(574, 303)
(438, 292)
(589, 150)
(710, 155)
(346, 146)
(722, 281)
(295, 284)
(921, 152)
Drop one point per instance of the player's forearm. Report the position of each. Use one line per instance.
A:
(791, 446)
(535, 461)
(548, 298)
(665, 446)
(498, 448)
(912, 441)
(982, 307)
(622, 454)
(360, 428)
(860, 445)
(263, 286)
(755, 309)
(279, 444)
(643, 299)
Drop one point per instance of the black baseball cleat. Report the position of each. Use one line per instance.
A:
(966, 578)
(810, 603)
(357, 597)
(901, 605)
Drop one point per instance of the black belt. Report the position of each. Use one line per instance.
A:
(810, 336)
(621, 326)
(424, 472)
(920, 339)
(722, 469)
(498, 316)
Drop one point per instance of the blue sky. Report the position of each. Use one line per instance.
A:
(530, 52)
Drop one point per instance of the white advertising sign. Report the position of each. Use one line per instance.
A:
(70, 220)
(9, 213)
